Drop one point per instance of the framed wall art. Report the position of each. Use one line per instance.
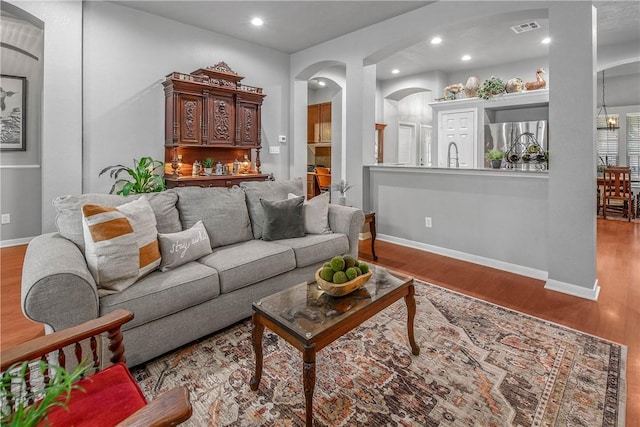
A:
(13, 105)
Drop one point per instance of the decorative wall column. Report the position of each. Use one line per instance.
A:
(360, 126)
(572, 172)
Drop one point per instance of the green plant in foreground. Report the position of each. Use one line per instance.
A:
(147, 177)
(24, 414)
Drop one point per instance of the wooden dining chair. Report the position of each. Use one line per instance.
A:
(617, 187)
(323, 177)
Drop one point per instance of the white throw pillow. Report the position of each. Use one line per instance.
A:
(316, 214)
(184, 246)
(121, 244)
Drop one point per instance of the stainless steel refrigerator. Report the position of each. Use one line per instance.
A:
(502, 136)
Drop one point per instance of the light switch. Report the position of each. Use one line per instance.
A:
(274, 149)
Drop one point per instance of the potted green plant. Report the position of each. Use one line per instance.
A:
(147, 175)
(55, 392)
(491, 87)
(495, 158)
(207, 164)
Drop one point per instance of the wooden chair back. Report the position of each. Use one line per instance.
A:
(617, 186)
(323, 175)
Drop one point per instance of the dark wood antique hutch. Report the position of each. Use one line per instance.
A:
(210, 113)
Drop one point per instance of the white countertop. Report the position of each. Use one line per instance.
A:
(460, 171)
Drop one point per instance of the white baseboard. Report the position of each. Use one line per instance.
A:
(364, 236)
(554, 285)
(15, 242)
(463, 256)
(578, 291)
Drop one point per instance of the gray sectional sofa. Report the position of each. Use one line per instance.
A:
(180, 305)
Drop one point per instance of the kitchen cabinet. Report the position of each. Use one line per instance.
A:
(210, 113)
(319, 123)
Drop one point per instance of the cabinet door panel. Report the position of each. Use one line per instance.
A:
(221, 120)
(313, 123)
(248, 124)
(325, 122)
(190, 108)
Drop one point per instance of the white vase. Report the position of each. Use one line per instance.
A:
(342, 200)
(208, 171)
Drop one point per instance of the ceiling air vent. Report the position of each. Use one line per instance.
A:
(523, 28)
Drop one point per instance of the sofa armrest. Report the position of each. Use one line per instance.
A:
(57, 287)
(349, 221)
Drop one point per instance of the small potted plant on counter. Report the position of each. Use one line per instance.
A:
(207, 164)
(495, 158)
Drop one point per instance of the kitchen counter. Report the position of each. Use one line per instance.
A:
(460, 171)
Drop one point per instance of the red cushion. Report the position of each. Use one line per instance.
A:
(105, 399)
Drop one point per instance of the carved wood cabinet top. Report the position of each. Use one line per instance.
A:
(218, 75)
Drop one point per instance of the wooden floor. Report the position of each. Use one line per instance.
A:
(615, 316)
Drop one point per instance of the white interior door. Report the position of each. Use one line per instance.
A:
(425, 145)
(457, 138)
(407, 143)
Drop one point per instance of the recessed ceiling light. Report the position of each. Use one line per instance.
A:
(546, 40)
(321, 83)
(257, 21)
(395, 71)
(436, 40)
(466, 58)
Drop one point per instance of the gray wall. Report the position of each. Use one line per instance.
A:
(499, 217)
(127, 54)
(20, 189)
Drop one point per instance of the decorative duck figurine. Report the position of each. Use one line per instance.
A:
(539, 83)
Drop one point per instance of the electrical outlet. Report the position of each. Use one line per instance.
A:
(6, 218)
(282, 139)
(427, 221)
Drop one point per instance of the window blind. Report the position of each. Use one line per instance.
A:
(633, 144)
(606, 143)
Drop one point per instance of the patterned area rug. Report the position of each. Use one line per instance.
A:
(480, 365)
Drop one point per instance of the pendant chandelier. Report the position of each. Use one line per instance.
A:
(611, 123)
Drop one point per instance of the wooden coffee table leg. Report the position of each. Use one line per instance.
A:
(410, 300)
(256, 338)
(309, 382)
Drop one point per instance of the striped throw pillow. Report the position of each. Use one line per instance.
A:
(121, 244)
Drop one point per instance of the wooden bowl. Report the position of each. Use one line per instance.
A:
(338, 290)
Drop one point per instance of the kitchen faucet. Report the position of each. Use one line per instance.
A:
(449, 155)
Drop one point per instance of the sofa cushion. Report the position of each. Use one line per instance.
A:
(283, 219)
(314, 248)
(69, 216)
(163, 293)
(223, 212)
(267, 190)
(316, 214)
(246, 263)
(121, 244)
(184, 246)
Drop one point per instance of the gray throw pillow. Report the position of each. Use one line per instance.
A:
(316, 214)
(184, 246)
(283, 219)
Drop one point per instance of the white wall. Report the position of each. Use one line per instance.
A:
(127, 54)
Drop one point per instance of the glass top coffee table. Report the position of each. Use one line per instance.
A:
(309, 319)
